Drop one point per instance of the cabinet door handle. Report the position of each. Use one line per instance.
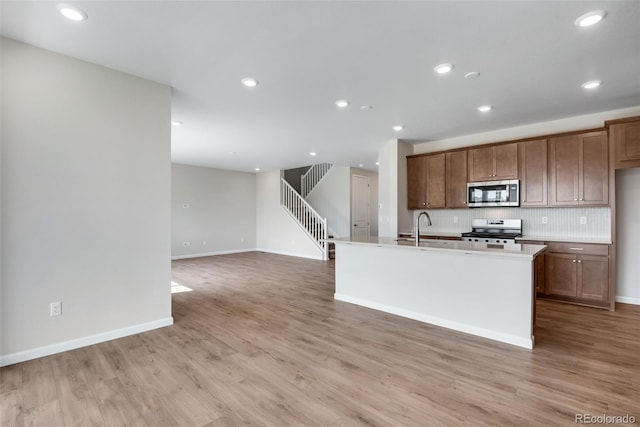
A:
(579, 261)
(581, 199)
(573, 260)
(577, 249)
(575, 200)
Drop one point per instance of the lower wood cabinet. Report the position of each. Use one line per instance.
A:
(538, 271)
(577, 273)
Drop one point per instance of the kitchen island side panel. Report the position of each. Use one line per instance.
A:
(485, 295)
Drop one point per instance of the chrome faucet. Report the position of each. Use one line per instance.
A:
(418, 225)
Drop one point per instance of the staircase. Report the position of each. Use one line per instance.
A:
(309, 220)
(312, 177)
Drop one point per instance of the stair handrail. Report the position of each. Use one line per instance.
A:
(312, 177)
(307, 218)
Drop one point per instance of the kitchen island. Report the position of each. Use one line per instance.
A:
(478, 288)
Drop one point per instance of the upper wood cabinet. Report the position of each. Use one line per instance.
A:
(496, 162)
(625, 141)
(416, 182)
(456, 181)
(579, 171)
(533, 173)
(426, 181)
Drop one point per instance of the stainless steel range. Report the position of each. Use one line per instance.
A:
(502, 231)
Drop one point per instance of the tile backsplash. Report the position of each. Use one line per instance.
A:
(560, 222)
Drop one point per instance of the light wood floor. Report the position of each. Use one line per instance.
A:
(260, 341)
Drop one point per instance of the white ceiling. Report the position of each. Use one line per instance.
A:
(306, 55)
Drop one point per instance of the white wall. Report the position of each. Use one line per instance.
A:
(373, 201)
(628, 235)
(331, 198)
(85, 203)
(405, 216)
(276, 231)
(388, 189)
(221, 212)
(393, 214)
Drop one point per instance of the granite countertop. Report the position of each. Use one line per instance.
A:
(517, 250)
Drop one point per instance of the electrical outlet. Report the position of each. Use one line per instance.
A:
(583, 220)
(186, 244)
(545, 220)
(55, 309)
(186, 206)
(455, 219)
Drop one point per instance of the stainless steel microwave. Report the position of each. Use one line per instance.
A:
(493, 193)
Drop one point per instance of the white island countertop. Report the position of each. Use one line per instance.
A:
(510, 250)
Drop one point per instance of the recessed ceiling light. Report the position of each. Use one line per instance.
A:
(591, 84)
(257, 169)
(313, 153)
(590, 18)
(360, 165)
(72, 12)
(472, 75)
(377, 163)
(342, 103)
(443, 68)
(233, 153)
(398, 128)
(249, 82)
(366, 107)
(485, 108)
(176, 123)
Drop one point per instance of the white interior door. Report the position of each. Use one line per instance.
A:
(360, 199)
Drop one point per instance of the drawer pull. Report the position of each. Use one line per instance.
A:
(577, 249)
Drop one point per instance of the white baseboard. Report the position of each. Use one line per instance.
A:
(318, 257)
(628, 300)
(22, 356)
(438, 321)
(203, 254)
